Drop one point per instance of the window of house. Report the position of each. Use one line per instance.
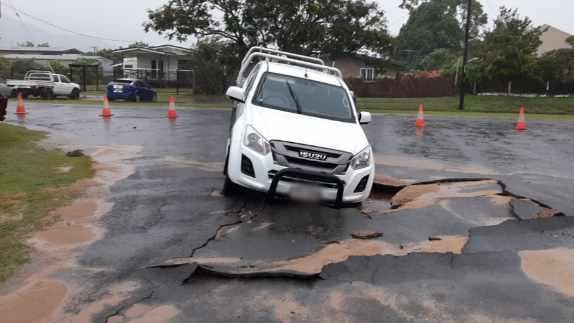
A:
(367, 73)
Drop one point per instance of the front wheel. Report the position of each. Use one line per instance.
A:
(229, 188)
(75, 95)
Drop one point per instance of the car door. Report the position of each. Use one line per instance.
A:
(66, 86)
(143, 91)
(59, 87)
(150, 93)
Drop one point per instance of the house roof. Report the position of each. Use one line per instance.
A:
(39, 50)
(552, 38)
(56, 57)
(169, 50)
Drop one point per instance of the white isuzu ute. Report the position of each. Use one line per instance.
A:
(295, 131)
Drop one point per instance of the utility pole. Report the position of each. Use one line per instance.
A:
(462, 80)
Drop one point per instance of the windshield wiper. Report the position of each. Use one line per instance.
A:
(294, 97)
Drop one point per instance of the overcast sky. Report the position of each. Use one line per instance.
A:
(122, 19)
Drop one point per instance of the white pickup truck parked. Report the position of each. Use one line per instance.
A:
(295, 131)
(45, 85)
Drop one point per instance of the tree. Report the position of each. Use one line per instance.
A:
(430, 26)
(26, 44)
(59, 68)
(570, 41)
(509, 50)
(138, 44)
(4, 67)
(458, 8)
(334, 27)
(440, 59)
(19, 67)
(208, 68)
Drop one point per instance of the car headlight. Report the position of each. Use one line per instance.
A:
(362, 159)
(256, 141)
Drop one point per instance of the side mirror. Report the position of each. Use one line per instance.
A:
(365, 117)
(235, 93)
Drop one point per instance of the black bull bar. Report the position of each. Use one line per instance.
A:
(307, 175)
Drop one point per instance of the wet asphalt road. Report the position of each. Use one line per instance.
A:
(170, 208)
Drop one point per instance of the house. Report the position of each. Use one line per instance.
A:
(159, 63)
(362, 65)
(47, 55)
(553, 38)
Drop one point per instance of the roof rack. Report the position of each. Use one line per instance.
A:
(259, 49)
(271, 55)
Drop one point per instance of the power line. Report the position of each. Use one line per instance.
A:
(44, 21)
(21, 21)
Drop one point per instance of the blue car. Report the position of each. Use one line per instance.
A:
(130, 89)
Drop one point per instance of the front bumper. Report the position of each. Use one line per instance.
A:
(274, 179)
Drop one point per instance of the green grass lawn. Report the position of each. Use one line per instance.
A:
(473, 104)
(33, 182)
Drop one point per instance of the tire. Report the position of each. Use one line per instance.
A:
(75, 95)
(229, 188)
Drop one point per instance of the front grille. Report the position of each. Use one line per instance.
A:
(288, 154)
(307, 162)
(309, 180)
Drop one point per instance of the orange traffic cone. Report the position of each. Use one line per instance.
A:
(106, 111)
(171, 112)
(521, 124)
(421, 117)
(20, 108)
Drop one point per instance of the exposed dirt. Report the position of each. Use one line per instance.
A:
(553, 268)
(57, 246)
(285, 309)
(341, 251)
(33, 302)
(425, 195)
(113, 296)
(412, 193)
(312, 265)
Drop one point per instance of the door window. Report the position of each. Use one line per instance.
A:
(64, 79)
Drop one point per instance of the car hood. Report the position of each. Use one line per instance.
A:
(285, 126)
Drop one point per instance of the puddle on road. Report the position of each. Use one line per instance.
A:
(431, 164)
(188, 162)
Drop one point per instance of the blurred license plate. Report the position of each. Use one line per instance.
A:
(305, 193)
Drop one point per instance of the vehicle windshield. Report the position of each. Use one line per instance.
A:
(304, 96)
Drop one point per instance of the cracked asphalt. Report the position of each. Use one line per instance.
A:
(480, 229)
